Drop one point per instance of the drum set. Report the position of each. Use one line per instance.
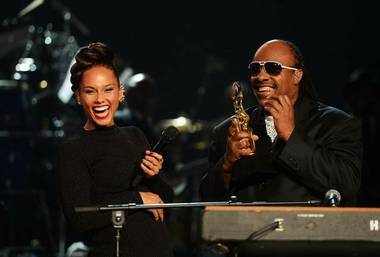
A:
(37, 112)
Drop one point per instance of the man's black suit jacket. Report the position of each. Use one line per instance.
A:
(323, 152)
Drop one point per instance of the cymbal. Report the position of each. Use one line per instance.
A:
(183, 124)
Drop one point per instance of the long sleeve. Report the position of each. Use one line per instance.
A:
(154, 184)
(212, 187)
(248, 170)
(330, 160)
(158, 186)
(75, 186)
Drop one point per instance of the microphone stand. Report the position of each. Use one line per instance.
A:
(118, 210)
(134, 206)
(118, 220)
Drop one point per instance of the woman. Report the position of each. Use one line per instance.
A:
(97, 167)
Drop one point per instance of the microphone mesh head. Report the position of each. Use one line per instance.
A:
(335, 193)
(170, 133)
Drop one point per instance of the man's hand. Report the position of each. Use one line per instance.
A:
(239, 144)
(282, 110)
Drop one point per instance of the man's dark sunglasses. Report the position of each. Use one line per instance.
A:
(271, 67)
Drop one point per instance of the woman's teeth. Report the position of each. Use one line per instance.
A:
(100, 109)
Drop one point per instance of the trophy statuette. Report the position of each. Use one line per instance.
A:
(241, 116)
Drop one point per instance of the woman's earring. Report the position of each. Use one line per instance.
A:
(122, 93)
(78, 100)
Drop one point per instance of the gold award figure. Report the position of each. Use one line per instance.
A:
(241, 117)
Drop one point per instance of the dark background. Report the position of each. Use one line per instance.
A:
(194, 51)
(189, 45)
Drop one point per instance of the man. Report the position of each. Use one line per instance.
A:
(312, 148)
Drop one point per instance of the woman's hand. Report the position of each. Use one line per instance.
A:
(152, 162)
(151, 198)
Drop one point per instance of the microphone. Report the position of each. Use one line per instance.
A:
(332, 197)
(167, 136)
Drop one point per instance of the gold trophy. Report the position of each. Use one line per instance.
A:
(241, 116)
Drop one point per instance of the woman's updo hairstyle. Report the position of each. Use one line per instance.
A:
(89, 56)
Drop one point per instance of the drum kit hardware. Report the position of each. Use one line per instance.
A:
(35, 56)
